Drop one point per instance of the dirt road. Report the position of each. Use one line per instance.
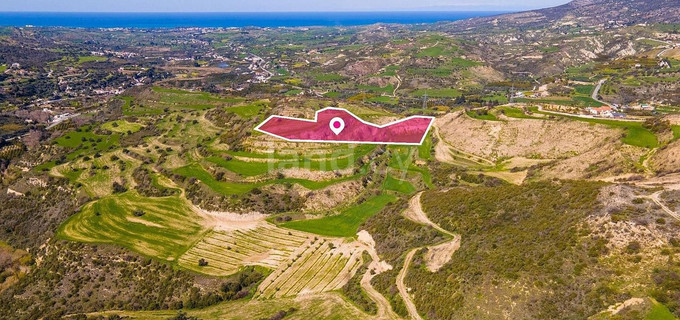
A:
(375, 268)
(656, 198)
(416, 214)
(410, 306)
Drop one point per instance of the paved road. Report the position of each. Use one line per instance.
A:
(596, 92)
(53, 124)
(540, 108)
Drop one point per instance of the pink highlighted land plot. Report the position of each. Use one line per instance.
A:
(338, 125)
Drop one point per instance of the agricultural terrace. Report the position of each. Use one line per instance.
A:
(158, 227)
(225, 252)
(323, 265)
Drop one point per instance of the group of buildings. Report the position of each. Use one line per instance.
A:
(615, 111)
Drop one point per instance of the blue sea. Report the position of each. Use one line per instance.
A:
(228, 19)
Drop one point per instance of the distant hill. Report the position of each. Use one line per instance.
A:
(584, 12)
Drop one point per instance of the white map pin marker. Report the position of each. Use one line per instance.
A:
(337, 125)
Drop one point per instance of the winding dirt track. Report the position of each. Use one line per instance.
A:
(410, 306)
(375, 268)
(416, 214)
(656, 198)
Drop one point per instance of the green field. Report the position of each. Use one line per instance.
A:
(384, 99)
(390, 71)
(230, 188)
(425, 149)
(227, 188)
(86, 142)
(85, 59)
(431, 52)
(437, 93)
(581, 101)
(386, 89)
(659, 312)
(135, 110)
(401, 186)
(122, 126)
(344, 224)
(584, 89)
(463, 63)
(481, 116)
(167, 228)
(515, 113)
(191, 100)
(249, 110)
(293, 92)
(328, 77)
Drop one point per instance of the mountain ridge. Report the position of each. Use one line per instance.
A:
(583, 12)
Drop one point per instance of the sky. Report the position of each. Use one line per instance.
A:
(270, 5)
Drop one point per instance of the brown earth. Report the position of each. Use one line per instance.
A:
(667, 159)
(524, 138)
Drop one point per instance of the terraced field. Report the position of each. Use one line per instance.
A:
(96, 175)
(346, 223)
(158, 227)
(226, 252)
(323, 265)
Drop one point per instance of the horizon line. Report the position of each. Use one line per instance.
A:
(331, 11)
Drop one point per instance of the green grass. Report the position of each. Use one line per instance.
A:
(515, 113)
(242, 167)
(390, 71)
(463, 63)
(331, 94)
(676, 132)
(344, 224)
(122, 126)
(130, 110)
(167, 228)
(386, 89)
(328, 77)
(489, 117)
(230, 188)
(93, 143)
(431, 52)
(575, 101)
(384, 99)
(660, 312)
(651, 42)
(401, 186)
(85, 59)
(437, 93)
(425, 149)
(192, 100)
(585, 89)
(3, 68)
(501, 98)
(334, 152)
(293, 92)
(249, 110)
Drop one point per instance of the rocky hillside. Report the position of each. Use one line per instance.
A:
(584, 12)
